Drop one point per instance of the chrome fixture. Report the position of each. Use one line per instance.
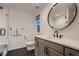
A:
(57, 35)
(25, 37)
(1, 7)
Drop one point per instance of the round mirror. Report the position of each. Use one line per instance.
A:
(62, 15)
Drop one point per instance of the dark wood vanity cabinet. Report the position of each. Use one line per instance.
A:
(46, 51)
(47, 48)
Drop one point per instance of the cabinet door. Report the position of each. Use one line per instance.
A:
(52, 45)
(42, 50)
(51, 52)
(71, 52)
(45, 51)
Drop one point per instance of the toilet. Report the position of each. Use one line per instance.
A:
(30, 45)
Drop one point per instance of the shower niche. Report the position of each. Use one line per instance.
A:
(2, 31)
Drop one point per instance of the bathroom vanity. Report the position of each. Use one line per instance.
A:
(46, 46)
(59, 17)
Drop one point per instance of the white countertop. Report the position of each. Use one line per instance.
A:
(62, 41)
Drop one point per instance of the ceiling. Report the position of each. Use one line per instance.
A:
(30, 7)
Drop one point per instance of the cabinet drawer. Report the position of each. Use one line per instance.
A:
(51, 52)
(52, 45)
(71, 52)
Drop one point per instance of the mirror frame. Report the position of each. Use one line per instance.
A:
(65, 26)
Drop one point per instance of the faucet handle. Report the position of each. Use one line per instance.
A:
(60, 36)
(54, 35)
(25, 37)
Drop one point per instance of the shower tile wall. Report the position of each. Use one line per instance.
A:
(25, 24)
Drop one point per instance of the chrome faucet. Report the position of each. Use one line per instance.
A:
(56, 34)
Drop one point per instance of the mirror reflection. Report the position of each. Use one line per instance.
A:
(62, 15)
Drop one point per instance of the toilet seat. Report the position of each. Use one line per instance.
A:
(30, 45)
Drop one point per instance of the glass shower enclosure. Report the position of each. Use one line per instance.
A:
(3, 29)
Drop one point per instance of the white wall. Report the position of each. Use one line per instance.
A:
(19, 19)
(71, 32)
(45, 29)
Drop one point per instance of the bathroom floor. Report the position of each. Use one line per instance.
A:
(21, 52)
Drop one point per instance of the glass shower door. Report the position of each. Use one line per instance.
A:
(3, 29)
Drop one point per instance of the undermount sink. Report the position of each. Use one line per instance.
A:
(52, 37)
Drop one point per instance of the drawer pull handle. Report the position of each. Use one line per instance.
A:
(70, 54)
(36, 43)
(46, 51)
